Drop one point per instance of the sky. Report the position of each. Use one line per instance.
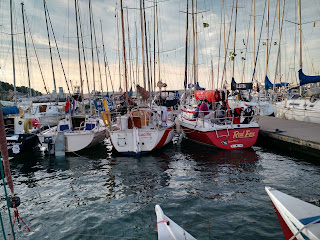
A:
(171, 19)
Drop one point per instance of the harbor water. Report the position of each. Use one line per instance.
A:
(211, 193)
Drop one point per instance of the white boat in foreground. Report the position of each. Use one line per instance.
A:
(168, 229)
(298, 219)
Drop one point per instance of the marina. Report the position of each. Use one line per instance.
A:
(180, 120)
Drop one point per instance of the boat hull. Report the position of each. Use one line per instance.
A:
(225, 139)
(147, 140)
(21, 143)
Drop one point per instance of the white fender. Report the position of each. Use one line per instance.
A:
(178, 126)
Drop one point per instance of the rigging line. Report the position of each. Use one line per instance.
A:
(97, 52)
(255, 63)
(245, 55)
(55, 40)
(270, 44)
(34, 48)
(225, 52)
(84, 56)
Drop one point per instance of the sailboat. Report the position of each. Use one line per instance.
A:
(20, 132)
(141, 129)
(307, 106)
(298, 219)
(168, 229)
(218, 126)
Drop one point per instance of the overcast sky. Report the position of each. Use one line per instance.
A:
(172, 33)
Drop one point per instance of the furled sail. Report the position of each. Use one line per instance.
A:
(268, 84)
(304, 79)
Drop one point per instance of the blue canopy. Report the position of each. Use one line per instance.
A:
(268, 84)
(304, 79)
(130, 92)
(10, 110)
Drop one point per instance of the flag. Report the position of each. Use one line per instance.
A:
(205, 25)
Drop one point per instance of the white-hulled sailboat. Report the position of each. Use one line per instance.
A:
(298, 219)
(141, 129)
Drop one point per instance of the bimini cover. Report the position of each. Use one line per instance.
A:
(10, 110)
(304, 79)
(205, 95)
(268, 84)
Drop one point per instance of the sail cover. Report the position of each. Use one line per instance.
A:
(240, 86)
(304, 79)
(268, 84)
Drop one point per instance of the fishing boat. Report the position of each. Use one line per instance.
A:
(168, 229)
(73, 134)
(298, 219)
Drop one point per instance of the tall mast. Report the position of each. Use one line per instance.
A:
(78, 41)
(193, 45)
(267, 43)
(13, 66)
(279, 54)
(119, 51)
(219, 51)
(124, 48)
(142, 46)
(300, 42)
(54, 79)
(25, 45)
(92, 58)
(154, 45)
(186, 57)
(300, 35)
(95, 40)
(146, 42)
(224, 43)
(158, 48)
(254, 33)
(234, 41)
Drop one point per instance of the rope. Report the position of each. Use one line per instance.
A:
(255, 62)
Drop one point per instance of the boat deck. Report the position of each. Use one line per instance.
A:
(300, 133)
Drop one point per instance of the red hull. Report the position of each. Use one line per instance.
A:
(231, 139)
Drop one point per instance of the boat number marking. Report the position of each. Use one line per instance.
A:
(236, 145)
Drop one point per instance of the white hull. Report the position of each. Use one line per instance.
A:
(295, 215)
(168, 229)
(137, 140)
(299, 110)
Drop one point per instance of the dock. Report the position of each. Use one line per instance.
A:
(303, 134)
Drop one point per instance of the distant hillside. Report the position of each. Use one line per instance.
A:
(6, 91)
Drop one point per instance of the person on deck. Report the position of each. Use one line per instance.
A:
(204, 110)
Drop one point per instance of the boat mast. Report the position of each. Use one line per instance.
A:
(279, 53)
(54, 79)
(219, 51)
(25, 45)
(146, 42)
(79, 54)
(158, 48)
(124, 48)
(92, 57)
(142, 46)
(186, 57)
(154, 45)
(267, 42)
(120, 88)
(234, 40)
(97, 52)
(254, 34)
(13, 66)
(193, 45)
(300, 42)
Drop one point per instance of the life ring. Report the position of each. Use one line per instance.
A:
(20, 111)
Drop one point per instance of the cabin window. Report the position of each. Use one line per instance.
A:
(294, 104)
